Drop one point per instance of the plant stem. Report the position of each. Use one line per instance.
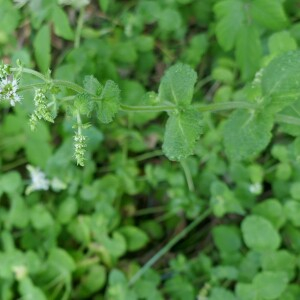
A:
(287, 119)
(139, 109)
(31, 72)
(70, 85)
(167, 247)
(147, 108)
(30, 86)
(148, 155)
(225, 106)
(188, 176)
(79, 28)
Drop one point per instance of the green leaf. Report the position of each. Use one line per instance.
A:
(108, 102)
(177, 85)
(247, 133)
(279, 261)
(269, 14)
(42, 48)
(38, 147)
(115, 246)
(136, 239)
(11, 182)
(246, 292)
(248, 51)
(223, 200)
(259, 234)
(281, 80)
(182, 132)
(61, 260)
(92, 85)
(83, 104)
(179, 288)
(30, 292)
(104, 4)
(67, 210)
(80, 230)
(40, 217)
(61, 24)
(148, 11)
(169, 20)
(18, 213)
(219, 293)
(281, 42)
(197, 47)
(270, 285)
(9, 16)
(92, 282)
(230, 14)
(272, 210)
(227, 238)
(125, 52)
(292, 212)
(224, 272)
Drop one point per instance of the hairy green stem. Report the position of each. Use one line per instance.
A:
(130, 108)
(287, 119)
(167, 247)
(147, 108)
(225, 106)
(31, 72)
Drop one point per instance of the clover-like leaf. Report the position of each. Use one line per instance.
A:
(177, 85)
(182, 131)
(259, 234)
(270, 285)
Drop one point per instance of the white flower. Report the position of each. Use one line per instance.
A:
(38, 180)
(256, 188)
(8, 90)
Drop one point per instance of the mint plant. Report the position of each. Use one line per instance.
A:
(149, 150)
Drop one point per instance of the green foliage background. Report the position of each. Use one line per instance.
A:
(237, 196)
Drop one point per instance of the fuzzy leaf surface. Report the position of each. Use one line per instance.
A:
(177, 85)
(108, 102)
(246, 134)
(182, 131)
(281, 81)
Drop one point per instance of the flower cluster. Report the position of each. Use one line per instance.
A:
(4, 71)
(8, 86)
(80, 147)
(41, 110)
